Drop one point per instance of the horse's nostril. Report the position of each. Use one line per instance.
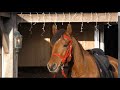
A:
(54, 66)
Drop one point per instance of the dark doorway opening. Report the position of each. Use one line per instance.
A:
(111, 40)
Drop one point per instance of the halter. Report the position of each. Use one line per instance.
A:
(67, 54)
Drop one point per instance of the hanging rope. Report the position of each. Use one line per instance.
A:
(96, 26)
(37, 19)
(55, 19)
(69, 17)
(109, 17)
(63, 18)
(82, 22)
(43, 28)
(30, 24)
(21, 14)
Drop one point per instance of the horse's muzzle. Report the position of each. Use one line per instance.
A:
(52, 67)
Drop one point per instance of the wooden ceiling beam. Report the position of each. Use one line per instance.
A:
(72, 17)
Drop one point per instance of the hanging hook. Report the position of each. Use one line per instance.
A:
(21, 14)
(37, 19)
(43, 28)
(81, 27)
(56, 19)
(69, 17)
(30, 28)
(96, 26)
(109, 20)
(63, 18)
(82, 22)
(30, 16)
(30, 24)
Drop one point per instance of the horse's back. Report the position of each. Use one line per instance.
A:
(107, 66)
(114, 62)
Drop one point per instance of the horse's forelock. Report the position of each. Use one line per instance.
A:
(57, 36)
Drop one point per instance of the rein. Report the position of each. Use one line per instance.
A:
(64, 58)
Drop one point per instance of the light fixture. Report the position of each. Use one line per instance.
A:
(18, 40)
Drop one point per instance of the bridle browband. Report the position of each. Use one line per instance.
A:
(67, 54)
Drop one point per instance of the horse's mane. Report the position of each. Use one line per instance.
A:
(80, 45)
(57, 36)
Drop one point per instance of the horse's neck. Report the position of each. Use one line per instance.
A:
(78, 53)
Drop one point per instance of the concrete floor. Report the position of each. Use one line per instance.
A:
(36, 72)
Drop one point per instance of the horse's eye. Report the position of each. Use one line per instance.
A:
(65, 45)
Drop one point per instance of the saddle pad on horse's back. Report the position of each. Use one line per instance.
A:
(102, 62)
(97, 50)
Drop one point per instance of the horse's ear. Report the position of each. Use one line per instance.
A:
(54, 29)
(69, 29)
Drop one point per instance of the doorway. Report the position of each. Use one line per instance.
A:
(35, 51)
(111, 40)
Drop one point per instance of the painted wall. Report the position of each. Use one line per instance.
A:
(36, 49)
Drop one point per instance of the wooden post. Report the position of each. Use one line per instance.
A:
(15, 58)
(7, 64)
(5, 38)
(119, 44)
(8, 58)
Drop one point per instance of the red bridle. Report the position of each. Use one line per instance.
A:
(67, 54)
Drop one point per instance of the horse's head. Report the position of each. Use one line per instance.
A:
(61, 43)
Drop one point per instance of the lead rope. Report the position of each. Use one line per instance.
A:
(54, 76)
(62, 71)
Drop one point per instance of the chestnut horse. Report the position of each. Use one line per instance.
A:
(65, 46)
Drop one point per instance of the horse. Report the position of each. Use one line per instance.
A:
(65, 47)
